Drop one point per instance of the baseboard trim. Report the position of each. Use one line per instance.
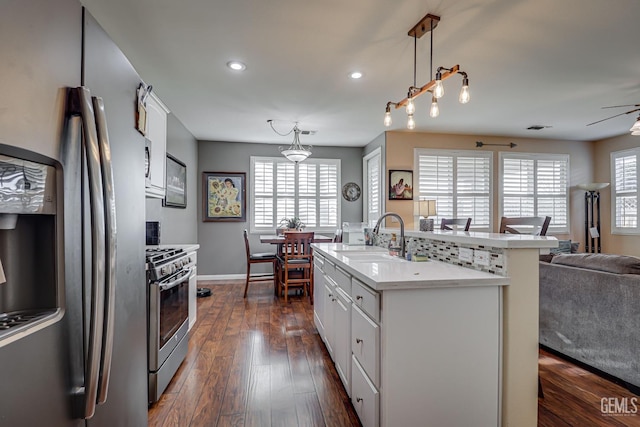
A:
(222, 277)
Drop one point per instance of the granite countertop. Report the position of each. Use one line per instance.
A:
(374, 267)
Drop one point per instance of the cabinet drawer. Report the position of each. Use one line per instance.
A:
(365, 343)
(329, 268)
(318, 262)
(366, 299)
(343, 279)
(364, 396)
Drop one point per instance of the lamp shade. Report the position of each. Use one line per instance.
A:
(594, 186)
(427, 208)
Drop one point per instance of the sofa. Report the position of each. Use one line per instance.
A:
(590, 311)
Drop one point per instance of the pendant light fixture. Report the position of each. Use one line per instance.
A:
(295, 152)
(434, 86)
(635, 129)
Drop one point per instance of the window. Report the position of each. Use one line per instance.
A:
(281, 189)
(624, 191)
(372, 167)
(459, 181)
(536, 185)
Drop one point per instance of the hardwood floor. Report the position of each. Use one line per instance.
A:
(259, 362)
(254, 362)
(573, 397)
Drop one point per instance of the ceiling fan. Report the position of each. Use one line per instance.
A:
(635, 129)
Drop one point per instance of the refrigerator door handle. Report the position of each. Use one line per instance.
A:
(81, 105)
(110, 256)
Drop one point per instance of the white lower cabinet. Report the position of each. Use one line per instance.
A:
(342, 347)
(365, 344)
(414, 357)
(318, 294)
(329, 309)
(364, 396)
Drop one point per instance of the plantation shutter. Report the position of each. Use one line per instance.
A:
(308, 190)
(536, 185)
(460, 182)
(373, 197)
(625, 191)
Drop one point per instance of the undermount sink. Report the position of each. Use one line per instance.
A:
(373, 257)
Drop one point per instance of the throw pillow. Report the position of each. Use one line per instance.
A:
(546, 257)
(620, 264)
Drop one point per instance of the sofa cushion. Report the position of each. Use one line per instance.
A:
(620, 264)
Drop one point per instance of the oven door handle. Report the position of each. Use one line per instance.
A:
(176, 282)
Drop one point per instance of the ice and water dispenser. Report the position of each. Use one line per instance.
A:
(30, 230)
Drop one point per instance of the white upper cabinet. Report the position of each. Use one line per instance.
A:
(156, 147)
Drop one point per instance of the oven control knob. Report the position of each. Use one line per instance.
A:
(163, 271)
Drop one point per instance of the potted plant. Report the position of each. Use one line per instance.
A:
(293, 223)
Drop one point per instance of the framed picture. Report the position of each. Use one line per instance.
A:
(400, 185)
(224, 196)
(176, 183)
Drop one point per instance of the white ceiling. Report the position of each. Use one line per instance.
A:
(542, 62)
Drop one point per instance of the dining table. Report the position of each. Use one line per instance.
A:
(279, 239)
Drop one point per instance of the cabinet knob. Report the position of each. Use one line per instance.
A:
(358, 399)
(358, 297)
(358, 340)
(330, 295)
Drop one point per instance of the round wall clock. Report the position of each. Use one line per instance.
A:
(351, 191)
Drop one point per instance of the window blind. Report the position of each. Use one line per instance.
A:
(373, 179)
(281, 189)
(536, 185)
(459, 181)
(624, 192)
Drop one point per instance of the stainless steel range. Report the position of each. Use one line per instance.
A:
(168, 272)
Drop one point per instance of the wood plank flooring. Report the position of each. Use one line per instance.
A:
(572, 397)
(254, 362)
(259, 362)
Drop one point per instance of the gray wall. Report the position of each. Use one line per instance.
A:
(178, 226)
(221, 243)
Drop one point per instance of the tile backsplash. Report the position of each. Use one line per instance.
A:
(449, 252)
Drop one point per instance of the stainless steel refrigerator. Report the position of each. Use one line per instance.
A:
(47, 48)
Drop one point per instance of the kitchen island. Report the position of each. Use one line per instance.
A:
(437, 342)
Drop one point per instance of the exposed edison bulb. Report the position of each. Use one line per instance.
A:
(464, 92)
(387, 119)
(434, 111)
(411, 107)
(411, 123)
(438, 90)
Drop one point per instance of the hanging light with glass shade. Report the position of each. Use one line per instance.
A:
(295, 152)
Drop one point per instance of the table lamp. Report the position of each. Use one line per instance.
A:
(426, 208)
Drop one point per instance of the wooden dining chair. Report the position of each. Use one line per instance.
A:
(258, 258)
(536, 225)
(294, 265)
(447, 222)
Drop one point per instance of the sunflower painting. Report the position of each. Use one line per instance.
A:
(224, 196)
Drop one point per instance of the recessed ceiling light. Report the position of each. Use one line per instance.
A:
(236, 65)
(356, 75)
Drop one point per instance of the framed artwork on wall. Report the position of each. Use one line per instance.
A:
(400, 185)
(224, 196)
(176, 183)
